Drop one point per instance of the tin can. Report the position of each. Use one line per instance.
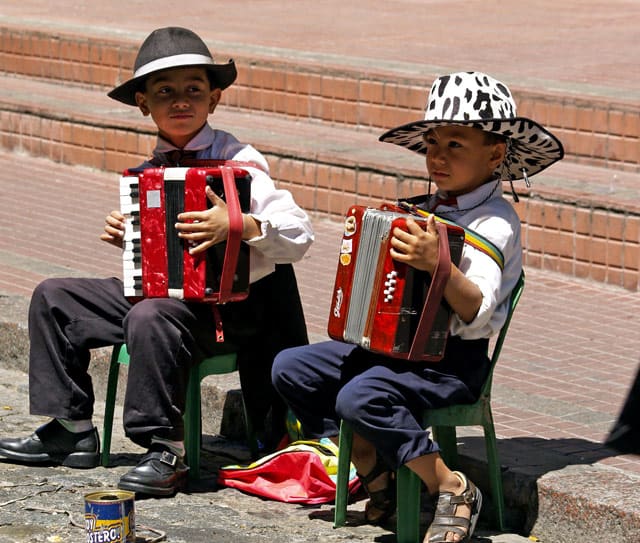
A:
(109, 516)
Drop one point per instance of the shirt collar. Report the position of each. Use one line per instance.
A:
(200, 141)
(473, 198)
(470, 199)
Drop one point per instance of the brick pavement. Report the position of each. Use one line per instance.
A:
(318, 122)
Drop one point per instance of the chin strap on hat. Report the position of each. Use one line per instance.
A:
(526, 182)
(514, 194)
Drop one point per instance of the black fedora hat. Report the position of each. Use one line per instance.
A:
(172, 47)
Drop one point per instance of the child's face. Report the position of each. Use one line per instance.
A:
(458, 158)
(179, 101)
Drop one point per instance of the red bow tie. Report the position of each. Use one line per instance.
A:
(449, 201)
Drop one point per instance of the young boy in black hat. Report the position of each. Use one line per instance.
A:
(473, 140)
(178, 84)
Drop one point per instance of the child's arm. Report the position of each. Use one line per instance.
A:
(419, 248)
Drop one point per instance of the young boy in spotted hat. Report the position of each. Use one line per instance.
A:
(473, 141)
(178, 85)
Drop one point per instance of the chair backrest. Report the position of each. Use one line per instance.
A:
(516, 293)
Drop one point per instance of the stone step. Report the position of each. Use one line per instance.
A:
(595, 131)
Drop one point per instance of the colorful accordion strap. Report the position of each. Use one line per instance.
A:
(470, 237)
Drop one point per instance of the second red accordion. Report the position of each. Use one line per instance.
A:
(386, 306)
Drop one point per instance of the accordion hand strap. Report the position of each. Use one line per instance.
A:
(471, 237)
(439, 280)
(234, 238)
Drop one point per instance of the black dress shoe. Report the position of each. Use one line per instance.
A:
(53, 443)
(159, 473)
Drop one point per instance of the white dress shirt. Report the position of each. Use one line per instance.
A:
(486, 212)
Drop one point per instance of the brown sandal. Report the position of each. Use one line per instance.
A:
(445, 519)
(382, 503)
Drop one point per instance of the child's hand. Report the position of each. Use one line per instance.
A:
(203, 229)
(417, 247)
(114, 229)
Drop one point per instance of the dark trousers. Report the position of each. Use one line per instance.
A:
(381, 398)
(165, 337)
(275, 312)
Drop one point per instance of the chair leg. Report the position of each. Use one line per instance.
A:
(192, 424)
(193, 411)
(495, 473)
(109, 405)
(445, 436)
(408, 513)
(342, 480)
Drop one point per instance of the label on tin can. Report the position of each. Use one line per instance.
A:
(109, 516)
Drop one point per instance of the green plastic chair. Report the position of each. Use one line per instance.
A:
(215, 365)
(443, 423)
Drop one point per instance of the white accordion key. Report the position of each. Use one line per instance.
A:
(129, 209)
(129, 196)
(129, 186)
(132, 230)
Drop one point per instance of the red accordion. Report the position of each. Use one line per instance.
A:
(156, 262)
(386, 306)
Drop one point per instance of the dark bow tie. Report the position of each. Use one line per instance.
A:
(178, 156)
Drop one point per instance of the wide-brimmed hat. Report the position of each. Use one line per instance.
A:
(172, 47)
(480, 101)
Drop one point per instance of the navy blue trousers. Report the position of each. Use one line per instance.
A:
(381, 398)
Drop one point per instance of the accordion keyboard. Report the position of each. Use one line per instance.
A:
(132, 254)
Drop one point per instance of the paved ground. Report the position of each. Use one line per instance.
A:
(573, 348)
(39, 504)
(567, 364)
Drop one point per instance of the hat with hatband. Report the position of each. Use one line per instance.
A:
(172, 47)
(478, 100)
